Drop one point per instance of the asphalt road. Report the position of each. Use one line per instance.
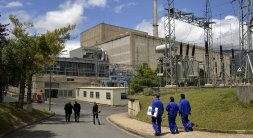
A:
(57, 127)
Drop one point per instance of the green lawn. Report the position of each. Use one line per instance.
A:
(214, 108)
(11, 117)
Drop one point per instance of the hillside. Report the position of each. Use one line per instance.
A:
(214, 108)
(11, 117)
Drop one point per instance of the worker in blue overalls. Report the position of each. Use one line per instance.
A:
(156, 121)
(172, 109)
(185, 111)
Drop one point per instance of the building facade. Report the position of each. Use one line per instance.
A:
(103, 95)
(68, 74)
(131, 47)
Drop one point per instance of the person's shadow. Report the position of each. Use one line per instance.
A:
(165, 133)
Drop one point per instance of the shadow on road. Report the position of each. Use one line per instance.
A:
(60, 119)
(34, 133)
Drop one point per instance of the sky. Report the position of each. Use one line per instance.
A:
(135, 14)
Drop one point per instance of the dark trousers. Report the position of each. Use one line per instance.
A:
(186, 122)
(156, 123)
(67, 115)
(95, 115)
(77, 115)
(172, 124)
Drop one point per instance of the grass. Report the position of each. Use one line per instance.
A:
(213, 108)
(11, 117)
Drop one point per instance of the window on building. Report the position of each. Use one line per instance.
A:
(70, 93)
(123, 96)
(78, 92)
(84, 94)
(70, 79)
(97, 95)
(108, 96)
(216, 70)
(91, 94)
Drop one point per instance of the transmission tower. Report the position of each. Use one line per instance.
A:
(208, 38)
(245, 40)
(170, 49)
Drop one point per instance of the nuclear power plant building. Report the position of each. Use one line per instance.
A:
(133, 47)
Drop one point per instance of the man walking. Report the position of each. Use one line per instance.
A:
(172, 109)
(68, 111)
(185, 111)
(95, 113)
(77, 108)
(156, 121)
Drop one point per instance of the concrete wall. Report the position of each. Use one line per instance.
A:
(114, 91)
(245, 94)
(102, 33)
(91, 36)
(118, 50)
(133, 49)
(76, 53)
(133, 107)
(143, 49)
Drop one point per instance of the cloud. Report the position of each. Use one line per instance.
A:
(96, 3)
(70, 45)
(120, 7)
(68, 13)
(145, 26)
(14, 4)
(225, 32)
(21, 14)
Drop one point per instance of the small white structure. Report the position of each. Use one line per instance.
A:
(103, 95)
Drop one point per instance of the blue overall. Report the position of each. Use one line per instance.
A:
(185, 109)
(172, 109)
(156, 121)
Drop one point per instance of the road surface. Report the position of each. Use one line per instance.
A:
(57, 127)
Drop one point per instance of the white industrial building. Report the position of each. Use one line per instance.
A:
(103, 95)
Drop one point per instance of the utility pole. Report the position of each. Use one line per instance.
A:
(208, 39)
(245, 39)
(170, 48)
(50, 87)
(169, 26)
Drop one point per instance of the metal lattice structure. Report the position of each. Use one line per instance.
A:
(245, 40)
(169, 56)
(170, 48)
(208, 38)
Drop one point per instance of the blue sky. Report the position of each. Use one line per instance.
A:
(135, 14)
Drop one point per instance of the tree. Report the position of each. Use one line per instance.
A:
(3, 74)
(28, 54)
(144, 77)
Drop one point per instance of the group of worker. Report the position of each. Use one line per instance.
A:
(183, 108)
(77, 108)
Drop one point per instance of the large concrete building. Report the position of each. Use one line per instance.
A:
(123, 46)
(132, 47)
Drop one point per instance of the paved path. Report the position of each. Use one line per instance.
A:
(145, 129)
(57, 127)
